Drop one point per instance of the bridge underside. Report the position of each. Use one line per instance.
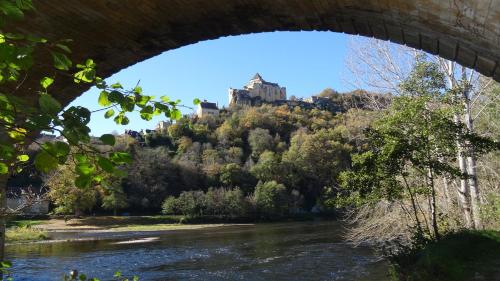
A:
(120, 33)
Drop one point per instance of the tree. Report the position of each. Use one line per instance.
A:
(267, 168)
(380, 65)
(68, 198)
(232, 175)
(416, 138)
(271, 199)
(260, 140)
(151, 178)
(113, 197)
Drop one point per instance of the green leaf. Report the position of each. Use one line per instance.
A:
(63, 47)
(138, 90)
(121, 119)
(120, 157)
(86, 75)
(108, 139)
(17, 134)
(83, 181)
(84, 169)
(109, 113)
(45, 162)
(23, 158)
(48, 104)
(6, 151)
(165, 98)
(175, 114)
(46, 82)
(106, 164)
(6, 264)
(4, 169)
(81, 158)
(61, 61)
(103, 99)
(117, 86)
(117, 274)
(196, 101)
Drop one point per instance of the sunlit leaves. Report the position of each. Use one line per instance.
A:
(23, 158)
(4, 169)
(103, 99)
(175, 114)
(196, 101)
(17, 134)
(120, 157)
(121, 119)
(86, 73)
(109, 113)
(46, 82)
(116, 86)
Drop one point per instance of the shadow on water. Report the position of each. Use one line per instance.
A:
(278, 251)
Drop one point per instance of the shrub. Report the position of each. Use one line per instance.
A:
(27, 233)
(271, 199)
(169, 206)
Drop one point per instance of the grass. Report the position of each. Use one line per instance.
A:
(24, 223)
(467, 255)
(25, 233)
(158, 227)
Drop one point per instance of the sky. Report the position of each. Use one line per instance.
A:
(303, 62)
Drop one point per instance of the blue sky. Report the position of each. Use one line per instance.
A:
(304, 62)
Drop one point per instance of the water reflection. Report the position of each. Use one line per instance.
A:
(283, 251)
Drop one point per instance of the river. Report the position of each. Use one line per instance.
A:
(274, 251)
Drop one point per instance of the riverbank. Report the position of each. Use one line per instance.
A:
(100, 228)
(111, 227)
(461, 256)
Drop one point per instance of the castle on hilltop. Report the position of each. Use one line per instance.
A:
(257, 91)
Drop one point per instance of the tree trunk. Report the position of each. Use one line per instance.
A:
(471, 168)
(463, 190)
(435, 228)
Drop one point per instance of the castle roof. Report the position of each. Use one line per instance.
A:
(208, 105)
(259, 78)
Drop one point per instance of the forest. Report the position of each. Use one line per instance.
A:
(248, 162)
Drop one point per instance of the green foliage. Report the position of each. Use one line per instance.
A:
(68, 198)
(260, 140)
(456, 257)
(21, 120)
(220, 202)
(271, 199)
(25, 233)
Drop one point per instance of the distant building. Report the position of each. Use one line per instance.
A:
(257, 91)
(162, 126)
(207, 109)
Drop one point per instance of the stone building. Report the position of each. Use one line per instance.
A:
(207, 108)
(257, 91)
(162, 126)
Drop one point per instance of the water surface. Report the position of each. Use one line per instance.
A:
(278, 251)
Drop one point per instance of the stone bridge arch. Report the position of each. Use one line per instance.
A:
(120, 33)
